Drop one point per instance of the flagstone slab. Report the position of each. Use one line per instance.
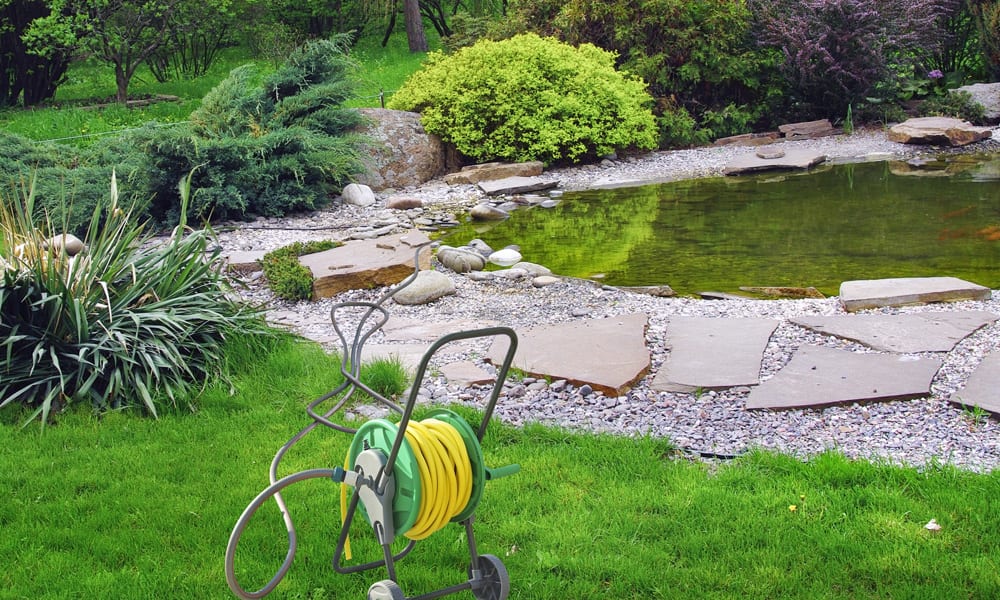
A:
(516, 185)
(903, 291)
(608, 354)
(921, 332)
(466, 373)
(713, 353)
(819, 376)
(364, 264)
(791, 159)
(403, 329)
(982, 389)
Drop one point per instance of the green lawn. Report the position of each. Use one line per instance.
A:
(128, 507)
(73, 118)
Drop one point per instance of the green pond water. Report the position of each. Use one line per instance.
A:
(836, 223)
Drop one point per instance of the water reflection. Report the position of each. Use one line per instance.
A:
(859, 221)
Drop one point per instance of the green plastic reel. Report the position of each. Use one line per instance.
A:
(380, 434)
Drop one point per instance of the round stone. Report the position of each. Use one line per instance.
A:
(506, 257)
(770, 153)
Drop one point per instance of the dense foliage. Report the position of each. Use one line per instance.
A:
(68, 183)
(267, 147)
(837, 51)
(717, 67)
(128, 322)
(529, 98)
(698, 57)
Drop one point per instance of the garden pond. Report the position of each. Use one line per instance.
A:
(815, 229)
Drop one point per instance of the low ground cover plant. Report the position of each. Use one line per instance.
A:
(530, 98)
(286, 277)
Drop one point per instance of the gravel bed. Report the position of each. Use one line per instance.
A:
(921, 432)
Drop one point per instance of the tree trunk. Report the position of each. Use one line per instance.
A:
(414, 26)
(121, 81)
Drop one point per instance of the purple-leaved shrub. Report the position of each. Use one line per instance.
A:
(836, 51)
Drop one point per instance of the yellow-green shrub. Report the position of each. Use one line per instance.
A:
(530, 98)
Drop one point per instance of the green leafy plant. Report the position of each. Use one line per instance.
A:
(529, 98)
(128, 322)
(285, 276)
(954, 104)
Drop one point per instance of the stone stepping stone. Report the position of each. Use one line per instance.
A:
(710, 352)
(819, 376)
(364, 264)
(515, 185)
(923, 332)
(903, 291)
(608, 354)
(402, 329)
(793, 159)
(244, 261)
(466, 373)
(981, 387)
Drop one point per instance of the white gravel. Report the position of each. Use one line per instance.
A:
(921, 432)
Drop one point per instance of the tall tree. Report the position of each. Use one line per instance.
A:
(32, 63)
(415, 36)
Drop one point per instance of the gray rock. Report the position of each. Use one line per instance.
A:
(492, 171)
(482, 276)
(533, 269)
(987, 95)
(487, 212)
(481, 247)
(362, 264)
(903, 291)
(770, 153)
(981, 388)
(544, 281)
(516, 185)
(427, 287)
(358, 195)
(939, 131)
(460, 260)
(67, 242)
(908, 333)
(403, 154)
(607, 354)
(404, 203)
(713, 352)
(819, 376)
(794, 159)
(505, 258)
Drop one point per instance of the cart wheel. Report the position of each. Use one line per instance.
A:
(385, 590)
(496, 581)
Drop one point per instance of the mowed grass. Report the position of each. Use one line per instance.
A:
(128, 507)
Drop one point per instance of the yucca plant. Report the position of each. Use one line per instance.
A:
(129, 322)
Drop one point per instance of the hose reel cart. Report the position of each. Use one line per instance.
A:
(409, 478)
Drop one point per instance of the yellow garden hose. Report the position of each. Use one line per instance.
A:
(446, 478)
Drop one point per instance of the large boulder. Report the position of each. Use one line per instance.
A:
(939, 131)
(403, 155)
(986, 94)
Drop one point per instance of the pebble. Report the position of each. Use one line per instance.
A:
(920, 432)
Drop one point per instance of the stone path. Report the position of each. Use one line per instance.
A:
(610, 354)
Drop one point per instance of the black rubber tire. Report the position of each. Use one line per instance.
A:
(496, 581)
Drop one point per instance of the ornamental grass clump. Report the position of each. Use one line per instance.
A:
(530, 98)
(129, 322)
